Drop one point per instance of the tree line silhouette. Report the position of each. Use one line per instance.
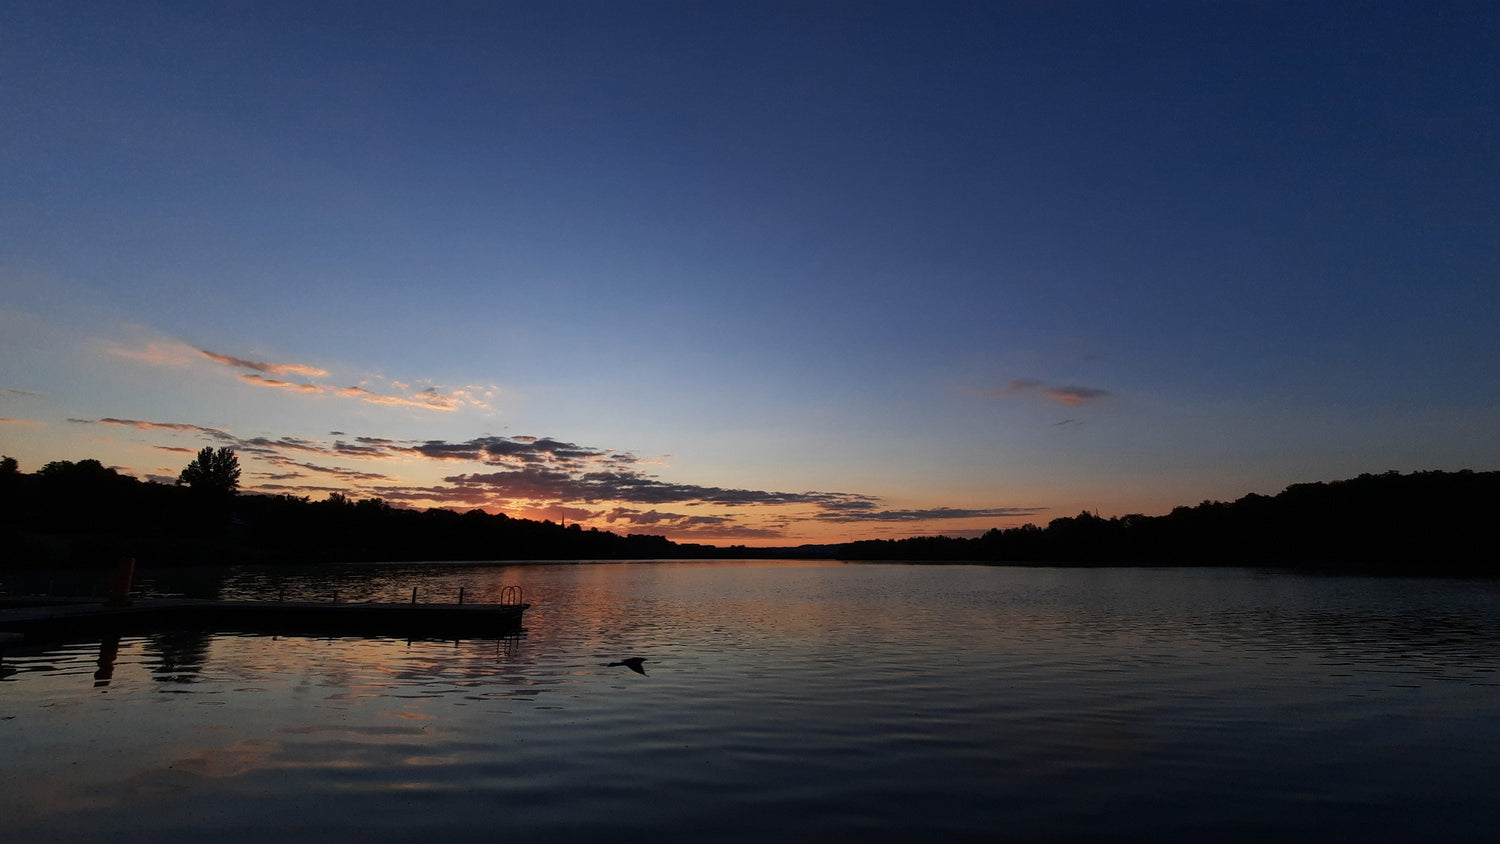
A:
(83, 513)
(1423, 522)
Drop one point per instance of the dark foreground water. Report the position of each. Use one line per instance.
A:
(784, 701)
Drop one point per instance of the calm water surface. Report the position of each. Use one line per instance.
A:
(805, 701)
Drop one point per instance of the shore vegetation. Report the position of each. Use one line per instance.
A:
(83, 513)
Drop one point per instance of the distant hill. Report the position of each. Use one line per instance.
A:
(1424, 522)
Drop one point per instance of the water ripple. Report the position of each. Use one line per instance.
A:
(792, 700)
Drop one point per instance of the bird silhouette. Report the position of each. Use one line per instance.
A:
(633, 663)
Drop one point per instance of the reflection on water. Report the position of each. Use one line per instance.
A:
(179, 654)
(109, 651)
(799, 700)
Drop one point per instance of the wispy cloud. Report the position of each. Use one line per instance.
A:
(683, 525)
(430, 398)
(1070, 394)
(263, 381)
(928, 515)
(537, 482)
(176, 427)
(308, 378)
(520, 451)
(1073, 395)
(267, 368)
(284, 443)
(347, 474)
(5, 420)
(155, 352)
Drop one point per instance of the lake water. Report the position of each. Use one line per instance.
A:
(793, 701)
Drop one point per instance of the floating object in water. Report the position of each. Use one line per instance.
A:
(633, 663)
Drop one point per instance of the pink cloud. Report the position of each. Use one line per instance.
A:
(1075, 395)
(268, 368)
(1071, 395)
(262, 381)
(142, 425)
(156, 353)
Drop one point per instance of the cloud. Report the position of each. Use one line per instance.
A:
(156, 352)
(429, 398)
(692, 527)
(853, 503)
(5, 420)
(932, 514)
(542, 482)
(557, 511)
(276, 375)
(360, 452)
(266, 447)
(1071, 395)
(289, 443)
(267, 368)
(654, 517)
(443, 496)
(722, 532)
(1075, 395)
(26, 394)
(177, 427)
(522, 450)
(262, 381)
(348, 474)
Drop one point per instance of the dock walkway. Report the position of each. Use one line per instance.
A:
(49, 619)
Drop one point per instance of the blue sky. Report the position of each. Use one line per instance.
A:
(762, 273)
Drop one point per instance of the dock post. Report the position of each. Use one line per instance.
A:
(119, 592)
(460, 595)
(414, 594)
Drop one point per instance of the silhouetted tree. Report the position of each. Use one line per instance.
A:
(9, 466)
(213, 472)
(84, 471)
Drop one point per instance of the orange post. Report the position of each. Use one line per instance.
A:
(119, 592)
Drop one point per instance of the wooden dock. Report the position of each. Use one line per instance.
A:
(60, 618)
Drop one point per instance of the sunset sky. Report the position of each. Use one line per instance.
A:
(762, 273)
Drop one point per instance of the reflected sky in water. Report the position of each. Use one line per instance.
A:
(789, 699)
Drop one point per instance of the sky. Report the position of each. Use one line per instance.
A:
(762, 273)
